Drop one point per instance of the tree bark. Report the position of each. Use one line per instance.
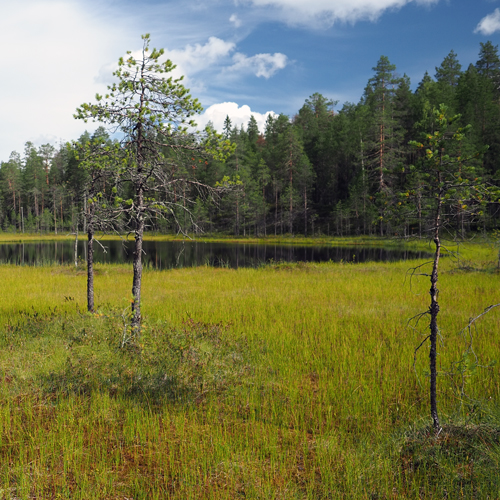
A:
(291, 187)
(305, 212)
(137, 266)
(139, 221)
(55, 213)
(90, 260)
(75, 249)
(434, 311)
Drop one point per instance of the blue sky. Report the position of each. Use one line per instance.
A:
(238, 56)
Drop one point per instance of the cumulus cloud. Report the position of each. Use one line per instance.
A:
(235, 20)
(328, 12)
(265, 65)
(216, 58)
(195, 58)
(216, 114)
(60, 53)
(216, 54)
(489, 24)
(45, 78)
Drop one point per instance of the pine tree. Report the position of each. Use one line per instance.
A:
(385, 144)
(153, 112)
(447, 76)
(488, 64)
(314, 121)
(451, 178)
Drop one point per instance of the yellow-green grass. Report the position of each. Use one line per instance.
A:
(327, 385)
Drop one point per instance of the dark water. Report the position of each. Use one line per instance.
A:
(171, 254)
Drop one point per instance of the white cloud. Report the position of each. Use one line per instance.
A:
(265, 65)
(489, 24)
(239, 116)
(327, 12)
(235, 20)
(52, 52)
(59, 53)
(213, 62)
(195, 58)
(215, 56)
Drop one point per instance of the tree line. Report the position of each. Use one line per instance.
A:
(322, 171)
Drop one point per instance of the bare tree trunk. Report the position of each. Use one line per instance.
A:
(137, 265)
(75, 249)
(434, 311)
(38, 225)
(363, 185)
(15, 221)
(382, 145)
(419, 206)
(237, 227)
(291, 189)
(264, 205)
(85, 212)
(305, 212)
(55, 213)
(90, 259)
(275, 209)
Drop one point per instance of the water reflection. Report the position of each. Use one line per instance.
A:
(172, 254)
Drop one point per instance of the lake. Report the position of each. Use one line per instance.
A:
(172, 254)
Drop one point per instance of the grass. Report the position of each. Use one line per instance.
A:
(287, 381)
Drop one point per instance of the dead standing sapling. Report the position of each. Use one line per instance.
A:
(450, 186)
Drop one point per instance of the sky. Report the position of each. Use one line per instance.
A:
(238, 57)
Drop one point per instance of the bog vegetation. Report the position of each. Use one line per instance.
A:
(288, 381)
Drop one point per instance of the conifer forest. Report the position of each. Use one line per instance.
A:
(357, 170)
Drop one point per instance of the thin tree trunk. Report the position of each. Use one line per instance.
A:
(237, 228)
(291, 188)
(264, 206)
(137, 265)
(275, 210)
(85, 212)
(139, 229)
(75, 249)
(55, 213)
(434, 311)
(38, 225)
(15, 217)
(419, 206)
(90, 260)
(305, 212)
(363, 181)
